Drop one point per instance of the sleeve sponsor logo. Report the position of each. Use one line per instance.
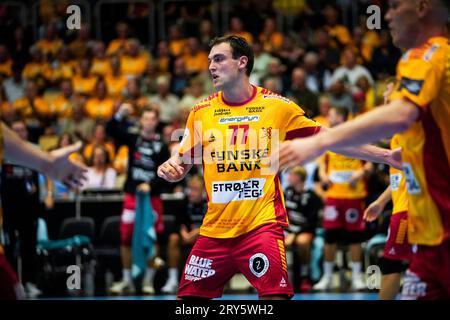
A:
(238, 119)
(412, 86)
(276, 97)
(238, 190)
(395, 181)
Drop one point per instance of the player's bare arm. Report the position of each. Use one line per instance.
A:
(55, 165)
(374, 210)
(381, 123)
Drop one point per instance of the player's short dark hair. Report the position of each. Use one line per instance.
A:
(239, 47)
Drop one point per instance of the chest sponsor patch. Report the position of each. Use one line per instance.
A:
(238, 190)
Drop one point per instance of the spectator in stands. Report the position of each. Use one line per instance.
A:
(275, 76)
(134, 97)
(195, 59)
(78, 125)
(303, 212)
(329, 56)
(317, 76)
(37, 70)
(62, 105)
(237, 29)
(206, 33)
(116, 81)
(164, 59)
(270, 38)
(385, 57)
(302, 96)
(194, 94)
(350, 71)
(5, 63)
(34, 110)
(100, 174)
(82, 43)
(64, 67)
(100, 106)
(84, 82)
(180, 78)
(324, 108)
(50, 44)
(338, 32)
(176, 42)
(134, 62)
(261, 64)
(99, 138)
(100, 62)
(120, 44)
(339, 97)
(167, 102)
(19, 46)
(14, 86)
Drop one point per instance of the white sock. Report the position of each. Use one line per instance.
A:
(356, 270)
(126, 275)
(328, 268)
(304, 270)
(149, 274)
(173, 274)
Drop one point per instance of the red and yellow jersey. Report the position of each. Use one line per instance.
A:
(99, 109)
(398, 184)
(423, 78)
(339, 170)
(234, 143)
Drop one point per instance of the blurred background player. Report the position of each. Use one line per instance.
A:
(146, 151)
(303, 212)
(397, 251)
(189, 226)
(344, 207)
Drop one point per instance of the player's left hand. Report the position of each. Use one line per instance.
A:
(61, 168)
(297, 152)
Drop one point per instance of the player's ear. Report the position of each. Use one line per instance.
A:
(243, 61)
(423, 7)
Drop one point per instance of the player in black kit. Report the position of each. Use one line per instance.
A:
(303, 207)
(146, 151)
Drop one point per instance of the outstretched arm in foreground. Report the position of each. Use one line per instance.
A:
(55, 165)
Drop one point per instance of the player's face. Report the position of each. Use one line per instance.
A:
(294, 179)
(224, 69)
(402, 18)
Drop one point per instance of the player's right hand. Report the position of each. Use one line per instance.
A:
(373, 211)
(172, 170)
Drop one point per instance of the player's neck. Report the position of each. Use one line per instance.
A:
(238, 93)
(427, 33)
